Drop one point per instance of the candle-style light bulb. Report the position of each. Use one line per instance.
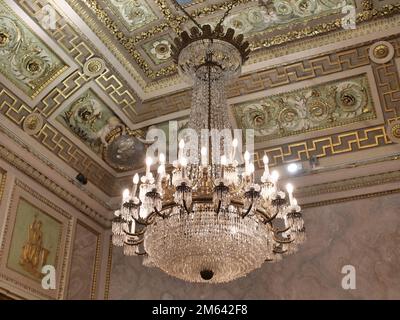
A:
(181, 148)
(181, 144)
(125, 195)
(266, 167)
(204, 157)
(246, 161)
(149, 162)
(289, 189)
(161, 171)
(274, 180)
(136, 179)
(274, 176)
(235, 144)
(251, 168)
(162, 158)
(224, 160)
(247, 156)
(184, 162)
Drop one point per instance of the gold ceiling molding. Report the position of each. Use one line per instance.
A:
(175, 22)
(325, 39)
(309, 109)
(350, 184)
(127, 42)
(352, 198)
(325, 146)
(366, 15)
(54, 187)
(70, 38)
(104, 37)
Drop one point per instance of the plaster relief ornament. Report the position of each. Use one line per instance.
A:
(87, 120)
(161, 49)
(135, 13)
(33, 123)
(306, 109)
(393, 131)
(23, 59)
(282, 12)
(10, 36)
(381, 52)
(94, 67)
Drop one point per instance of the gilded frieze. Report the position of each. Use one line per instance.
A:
(133, 14)
(89, 119)
(324, 106)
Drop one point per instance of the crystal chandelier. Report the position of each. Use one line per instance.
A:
(208, 220)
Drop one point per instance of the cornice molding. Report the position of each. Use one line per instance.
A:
(352, 198)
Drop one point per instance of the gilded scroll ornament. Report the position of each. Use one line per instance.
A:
(24, 59)
(94, 67)
(315, 108)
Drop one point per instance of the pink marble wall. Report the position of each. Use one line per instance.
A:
(364, 233)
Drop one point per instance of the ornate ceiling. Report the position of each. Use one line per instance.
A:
(311, 88)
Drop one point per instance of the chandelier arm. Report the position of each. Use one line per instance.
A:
(248, 211)
(141, 253)
(219, 207)
(283, 241)
(177, 4)
(269, 220)
(137, 234)
(159, 213)
(185, 207)
(142, 223)
(136, 243)
(282, 230)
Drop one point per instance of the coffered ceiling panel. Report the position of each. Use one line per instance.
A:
(320, 107)
(90, 119)
(25, 60)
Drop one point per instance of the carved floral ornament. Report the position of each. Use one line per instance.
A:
(134, 13)
(94, 67)
(33, 123)
(28, 62)
(381, 52)
(393, 131)
(308, 109)
(161, 49)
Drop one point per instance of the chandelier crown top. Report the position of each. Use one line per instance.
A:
(206, 32)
